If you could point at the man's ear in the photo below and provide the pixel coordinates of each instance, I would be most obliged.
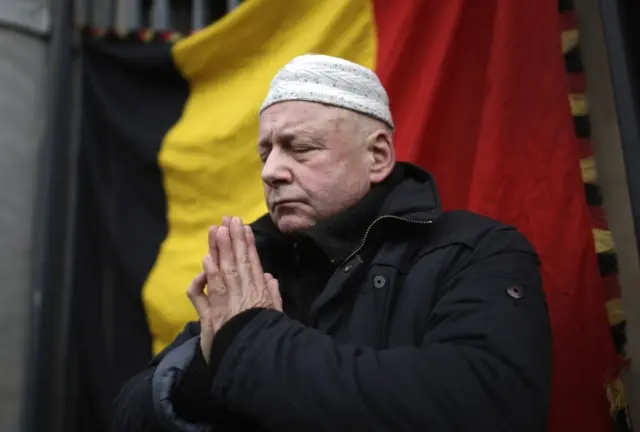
(383, 156)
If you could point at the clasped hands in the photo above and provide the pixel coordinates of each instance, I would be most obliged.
(234, 278)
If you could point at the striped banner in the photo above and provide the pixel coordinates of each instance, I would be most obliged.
(603, 240)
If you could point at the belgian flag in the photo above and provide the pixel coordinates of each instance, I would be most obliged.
(479, 96)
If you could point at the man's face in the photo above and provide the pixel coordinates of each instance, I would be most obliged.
(315, 162)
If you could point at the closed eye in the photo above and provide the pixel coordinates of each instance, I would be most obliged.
(264, 156)
(302, 149)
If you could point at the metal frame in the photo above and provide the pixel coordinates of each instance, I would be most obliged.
(125, 16)
(617, 151)
(626, 103)
(26, 17)
(44, 396)
(627, 109)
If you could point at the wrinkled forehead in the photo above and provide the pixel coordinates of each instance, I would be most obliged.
(299, 117)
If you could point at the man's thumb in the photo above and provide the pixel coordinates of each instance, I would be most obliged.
(274, 291)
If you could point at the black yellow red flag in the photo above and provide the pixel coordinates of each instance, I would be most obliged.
(478, 92)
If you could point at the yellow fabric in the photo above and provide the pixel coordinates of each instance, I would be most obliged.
(589, 170)
(570, 39)
(603, 240)
(615, 313)
(208, 159)
(617, 397)
(579, 104)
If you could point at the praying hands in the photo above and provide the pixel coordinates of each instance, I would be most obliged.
(234, 279)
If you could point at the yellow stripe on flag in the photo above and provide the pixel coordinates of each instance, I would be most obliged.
(208, 159)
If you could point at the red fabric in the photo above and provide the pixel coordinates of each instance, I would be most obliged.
(567, 20)
(598, 218)
(586, 147)
(479, 95)
(611, 287)
(577, 82)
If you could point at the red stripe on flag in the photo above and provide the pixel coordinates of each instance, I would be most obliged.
(479, 95)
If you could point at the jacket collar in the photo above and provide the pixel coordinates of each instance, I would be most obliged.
(414, 197)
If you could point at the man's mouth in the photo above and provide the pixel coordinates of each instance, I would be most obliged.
(281, 202)
(285, 202)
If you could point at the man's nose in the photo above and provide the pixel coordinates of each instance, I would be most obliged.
(276, 171)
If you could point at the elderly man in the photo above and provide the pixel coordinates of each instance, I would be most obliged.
(356, 303)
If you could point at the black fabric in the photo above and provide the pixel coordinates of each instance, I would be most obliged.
(195, 385)
(438, 323)
(463, 352)
(582, 126)
(132, 95)
(619, 336)
(565, 5)
(593, 194)
(225, 336)
(607, 263)
(134, 410)
(573, 60)
(302, 279)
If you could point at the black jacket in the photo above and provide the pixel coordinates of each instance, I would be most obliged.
(433, 322)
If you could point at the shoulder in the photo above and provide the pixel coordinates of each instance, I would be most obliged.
(459, 240)
(475, 255)
(476, 232)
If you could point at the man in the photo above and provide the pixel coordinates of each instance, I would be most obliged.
(356, 303)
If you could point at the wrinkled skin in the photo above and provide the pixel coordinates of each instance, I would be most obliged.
(319, 160)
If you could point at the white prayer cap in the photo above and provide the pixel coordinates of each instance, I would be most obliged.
(331, 81)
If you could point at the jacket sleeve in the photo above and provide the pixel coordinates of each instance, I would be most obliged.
(133, 407)
(484, 362)
(173, 393)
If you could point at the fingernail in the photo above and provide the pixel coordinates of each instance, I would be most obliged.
(236, 220)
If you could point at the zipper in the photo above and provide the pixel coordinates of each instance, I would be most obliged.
(366, 234)
(296, 254)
